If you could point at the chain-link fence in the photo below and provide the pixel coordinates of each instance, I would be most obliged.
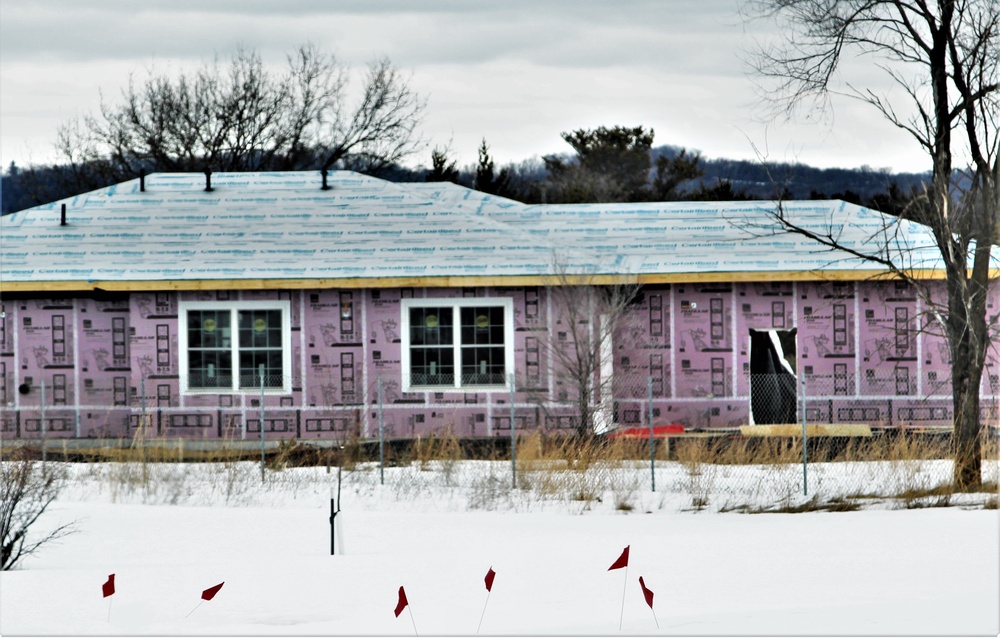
(776, 440)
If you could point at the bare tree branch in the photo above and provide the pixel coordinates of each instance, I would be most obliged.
(27, 489)
(945, 56)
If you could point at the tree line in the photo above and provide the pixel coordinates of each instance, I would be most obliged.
(674, 173)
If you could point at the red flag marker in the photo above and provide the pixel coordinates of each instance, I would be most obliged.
(401, 605)
(108, 588)
(404, 604)
(210, 593)
(622, 560)
(490, 575)
(647, 593)
(618, 564)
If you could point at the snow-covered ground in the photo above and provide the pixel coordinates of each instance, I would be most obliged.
(882, 570)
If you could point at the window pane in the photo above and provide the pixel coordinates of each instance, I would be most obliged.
(210, 364)
(432, 366)
(431, 326)
(251, 362)
(260, 345)
(208, 329)
(210, 369)
(482, 326)
(483, 366)
(260, 329)
(227, 345)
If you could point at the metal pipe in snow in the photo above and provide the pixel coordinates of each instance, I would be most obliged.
(652, 441)
(262, 423)
(805, 443)
(381, 437)
(513, 437)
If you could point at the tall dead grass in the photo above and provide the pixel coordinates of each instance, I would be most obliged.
(908, 469)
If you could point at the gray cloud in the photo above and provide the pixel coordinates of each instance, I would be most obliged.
(557, 33)
(517, 72)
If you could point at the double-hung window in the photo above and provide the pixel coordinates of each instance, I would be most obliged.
(235, 346)
(457, 344)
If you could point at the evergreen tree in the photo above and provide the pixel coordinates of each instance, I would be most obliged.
(611, 165)
(442, 169)
(487, 180)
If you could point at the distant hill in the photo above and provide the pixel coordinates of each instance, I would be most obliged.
(801, 181)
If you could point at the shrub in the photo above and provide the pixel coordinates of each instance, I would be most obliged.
(27, 488)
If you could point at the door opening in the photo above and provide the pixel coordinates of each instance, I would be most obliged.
(773, 387)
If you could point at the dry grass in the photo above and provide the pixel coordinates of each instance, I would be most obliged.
(741, 474)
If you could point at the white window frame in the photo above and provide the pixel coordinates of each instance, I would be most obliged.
(235, 307)
(456, 305)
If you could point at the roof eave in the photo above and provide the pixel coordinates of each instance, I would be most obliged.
(466, 281)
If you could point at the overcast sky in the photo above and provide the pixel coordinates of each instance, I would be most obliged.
(516, 72)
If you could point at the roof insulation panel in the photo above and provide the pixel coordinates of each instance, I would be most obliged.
(283, 226)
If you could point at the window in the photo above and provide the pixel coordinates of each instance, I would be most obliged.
(225, 346)
(460, 344)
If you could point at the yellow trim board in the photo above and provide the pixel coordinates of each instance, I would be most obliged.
(795, 429)
(460, 282)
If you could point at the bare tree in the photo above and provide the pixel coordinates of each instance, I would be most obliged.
(242, 116)
(586, 316)
(943, 56)
(27, 488)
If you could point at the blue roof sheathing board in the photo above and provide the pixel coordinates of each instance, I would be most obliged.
(283, 226)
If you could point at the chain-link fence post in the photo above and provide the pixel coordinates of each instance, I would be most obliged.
(261, 369)
(42, 426)
(142, 435)
(805, 443)
(652, 441)
(381, 436)
(142, 420)
(513, 438)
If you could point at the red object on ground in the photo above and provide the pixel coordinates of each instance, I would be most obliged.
(490, 575)
(401, 605)
(109, 587)
(659, 432)
(647, 593)
(210, 593)
(622, 560)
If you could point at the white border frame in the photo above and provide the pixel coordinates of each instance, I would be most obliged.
(284, 305)
(456, 303)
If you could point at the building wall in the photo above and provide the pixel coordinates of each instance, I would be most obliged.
(866, 351)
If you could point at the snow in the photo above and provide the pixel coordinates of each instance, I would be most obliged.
(876, 571)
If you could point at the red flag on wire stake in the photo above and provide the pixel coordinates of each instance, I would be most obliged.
(402, 604)
(207, 594)
(108, 588)
(647, 593)
(622, 560)
(618, 564)
(490, 575)
(210, 593)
